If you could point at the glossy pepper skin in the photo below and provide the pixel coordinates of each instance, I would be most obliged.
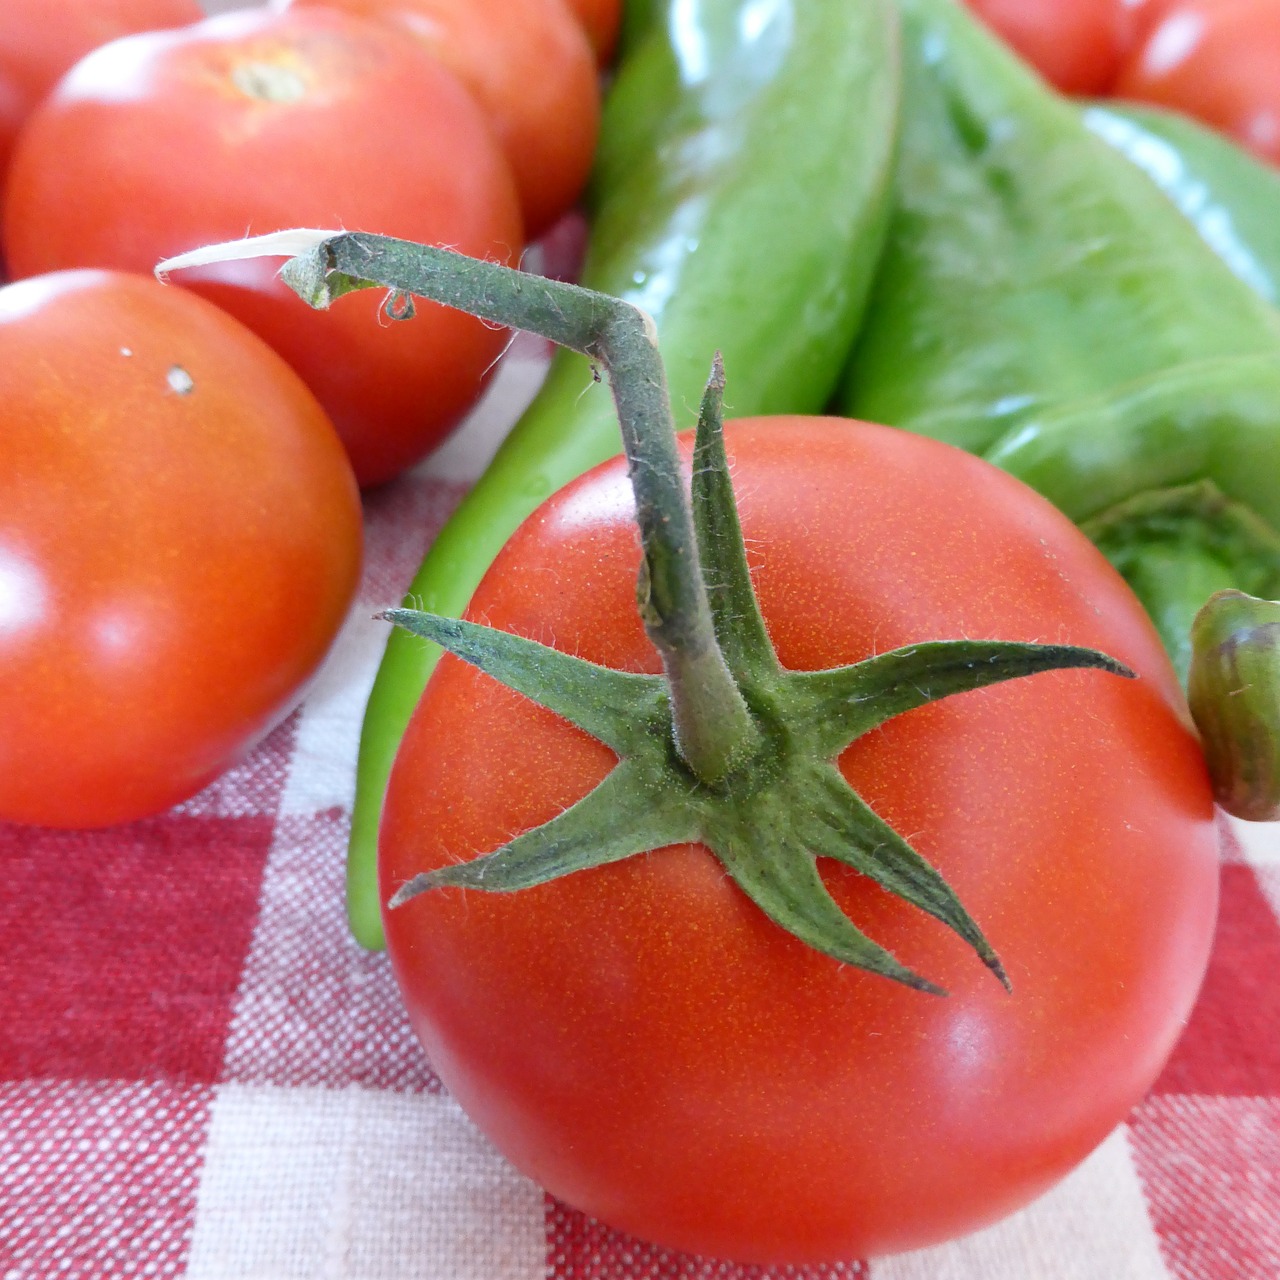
(1043, 304)
(740, 196)
(1231, 198)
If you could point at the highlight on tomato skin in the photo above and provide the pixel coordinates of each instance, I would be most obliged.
(645, 1044)
(180, 541)
(1217, 61)
(295, 105)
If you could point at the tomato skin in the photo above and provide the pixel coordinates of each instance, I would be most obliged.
(1218, 61)
(37, 47)
(529, 65)
(1077, 46)
(645, 1044)
(180, 541)
(1147, 14)
(171, 137)
(602, 20)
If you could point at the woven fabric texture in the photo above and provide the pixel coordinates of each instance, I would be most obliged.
(202, 1076)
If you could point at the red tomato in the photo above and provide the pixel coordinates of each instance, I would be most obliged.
(39, 40)
(530, 66)
(253, 122)
(1218, 62)
(1148, 13)
(179, 543)
(1075, 44)
(641, 1040)
(602, 20)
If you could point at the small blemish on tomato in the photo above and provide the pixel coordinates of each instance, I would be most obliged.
(180, 380)
(126, 351)
(269, 82)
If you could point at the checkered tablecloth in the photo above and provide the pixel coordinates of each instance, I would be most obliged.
(201, 1075)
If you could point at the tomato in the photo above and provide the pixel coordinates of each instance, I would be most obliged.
(1075, 44)
(646, 1044)
(1147, 14)
(255, 121)
(179, 543)
(1218, 62)
(530, 66)
(39, 41)
(602, 20)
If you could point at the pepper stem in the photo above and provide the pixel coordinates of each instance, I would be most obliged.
(714, 730)
(1233, 687)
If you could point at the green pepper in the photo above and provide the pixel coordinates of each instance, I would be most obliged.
(1231, 198)
(740, 197)
(639, 17)
(1042, 303)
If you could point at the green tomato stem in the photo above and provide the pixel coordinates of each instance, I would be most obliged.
(713, 727)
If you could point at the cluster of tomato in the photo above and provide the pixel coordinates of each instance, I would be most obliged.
(1215, 60)
(180, 535)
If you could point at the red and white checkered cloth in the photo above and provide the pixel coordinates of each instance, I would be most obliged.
(201, 1075)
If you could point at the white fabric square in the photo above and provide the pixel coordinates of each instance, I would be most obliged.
(322, 766)
(1259, 842)
(1093, 1224)
(357, 1184)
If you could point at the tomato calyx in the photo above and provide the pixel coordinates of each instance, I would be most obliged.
(726, 748)
(770, 819)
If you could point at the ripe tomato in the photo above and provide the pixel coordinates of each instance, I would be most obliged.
(256, 121)
(1148, 13)
(1216, 61)
(529, 65)
(38, 42)
(1075, 44)
(602, 20)
(641, 1040)
(179, 543)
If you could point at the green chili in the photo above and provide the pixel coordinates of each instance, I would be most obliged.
(1231, 198)
(740, 197)
(1042, 303)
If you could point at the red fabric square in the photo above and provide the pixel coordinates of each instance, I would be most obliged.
(580, 1248)
(1211, 1170)
(1231, 1045)
(121, 950)
(98, 1180)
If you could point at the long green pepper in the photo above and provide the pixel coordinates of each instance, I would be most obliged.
(1043, 304)
(740, 197)
(1231, 198)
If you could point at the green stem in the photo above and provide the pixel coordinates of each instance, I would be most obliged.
(713, 728)
(1234, 690)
